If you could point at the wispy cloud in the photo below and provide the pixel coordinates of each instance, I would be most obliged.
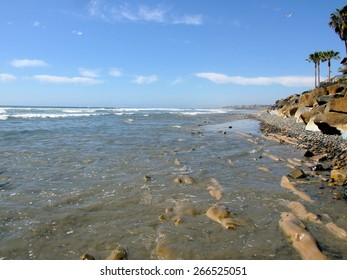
(177, 81)
(66, 80)
(89, 73)
(189, 20)
(115, 72)
(22, 63)
(7, 78)
(155, 15)
(77, 33)
(36, 24)
(124, 12)
(140, 80)
(288, 81)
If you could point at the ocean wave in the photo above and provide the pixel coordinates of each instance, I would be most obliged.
(50, 116)
(65, 112)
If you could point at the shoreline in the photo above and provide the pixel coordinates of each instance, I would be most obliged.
(317, 143)
(325, 156)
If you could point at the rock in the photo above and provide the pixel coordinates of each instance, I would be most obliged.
(300, 211)
(264, 169)
(119, 253)
(332, 123)
(300, 111)
(337, 231)
(337, 88)
(285, 183)
(147, 178)
(176, 220)
(307, 116)
(318, 167)
(308, 154)
(297, 174)
(326, 99)
(339, 176)
(311, 126)
(215, 189)
(337, 105)
(162, 217)
(302, 241)
(221, 214)
(308, 99)
(320, 158)
(86, 256)
(184, 180)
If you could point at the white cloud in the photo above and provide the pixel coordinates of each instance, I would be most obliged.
(78, 33)
(66, 80)
(155, 15)
(115, 72)
(189, 20)
(89, 73)
(114, 13)
(177, 81)
(140, 80)
(289, 81)
(36, 24)
(6, 78)
(21, 63)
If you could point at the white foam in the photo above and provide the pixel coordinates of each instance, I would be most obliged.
(61, 112)
(52, 116)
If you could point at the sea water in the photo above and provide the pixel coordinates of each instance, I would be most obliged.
(86, 180)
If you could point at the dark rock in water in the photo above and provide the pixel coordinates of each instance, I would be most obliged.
(308, 154)
(120, 253)
(345, 193)
(318, 167)
(147, 178)
(86, 256)
(337, 195)
(297, 174)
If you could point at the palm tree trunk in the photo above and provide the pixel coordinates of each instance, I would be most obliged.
(315, 75)
(318, 73)
(329, 70)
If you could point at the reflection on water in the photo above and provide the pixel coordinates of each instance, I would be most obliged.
(74, 185)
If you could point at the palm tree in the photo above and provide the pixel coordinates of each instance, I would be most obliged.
(338, 21)
(327, 56)
(315, 58)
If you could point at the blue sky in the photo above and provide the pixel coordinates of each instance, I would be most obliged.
(152, 53)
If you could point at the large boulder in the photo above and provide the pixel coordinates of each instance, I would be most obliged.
(337, 105)
(307, 116)
(309, 99)
(337, 88)
(300, 111)
(332, 123)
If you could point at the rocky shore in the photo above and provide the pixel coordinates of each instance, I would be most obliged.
(324, 163)
(315, 120)
(334, 147)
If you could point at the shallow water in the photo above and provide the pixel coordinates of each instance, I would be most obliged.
(72, 181)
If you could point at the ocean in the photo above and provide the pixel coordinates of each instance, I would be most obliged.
(86, 180)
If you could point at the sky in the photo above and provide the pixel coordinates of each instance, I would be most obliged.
(160, 53)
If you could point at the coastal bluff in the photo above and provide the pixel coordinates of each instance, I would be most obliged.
(316, 121)
(322, 109)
